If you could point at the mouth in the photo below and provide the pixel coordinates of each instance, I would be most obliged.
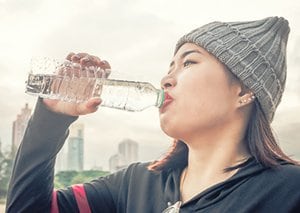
(167, 101)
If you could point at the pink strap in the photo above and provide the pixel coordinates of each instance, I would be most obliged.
(54, 206)
(81, 198)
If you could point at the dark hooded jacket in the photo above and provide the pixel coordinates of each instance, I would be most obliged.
(253, 188)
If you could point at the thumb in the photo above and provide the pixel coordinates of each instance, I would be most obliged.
(92, 105)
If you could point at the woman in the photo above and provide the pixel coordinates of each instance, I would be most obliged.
(222, 89)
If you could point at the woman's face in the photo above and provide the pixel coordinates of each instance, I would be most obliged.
(200, 96)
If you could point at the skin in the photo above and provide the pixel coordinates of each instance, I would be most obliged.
(72, 109)
(205, 112)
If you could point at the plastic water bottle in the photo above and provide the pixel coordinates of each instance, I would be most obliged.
(71, 83)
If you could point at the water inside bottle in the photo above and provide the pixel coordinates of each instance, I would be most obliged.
(64, 80)
(72, 83)
(129, 95)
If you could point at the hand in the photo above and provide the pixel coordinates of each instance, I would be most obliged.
(75, 109)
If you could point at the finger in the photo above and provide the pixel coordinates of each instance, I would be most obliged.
(106, 69)
(105, 65)
(69, 56)
(91, 60)
(50, 102)
(76, 70)
(82, 55)
(61, 69)
(75, 58)
(93, 103)
(87, 61)
(96, 60)
(89, 107)
(107, 73)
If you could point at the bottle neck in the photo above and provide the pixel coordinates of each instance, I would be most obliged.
(160, 98)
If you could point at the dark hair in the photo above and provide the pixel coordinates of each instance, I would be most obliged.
(259, 137)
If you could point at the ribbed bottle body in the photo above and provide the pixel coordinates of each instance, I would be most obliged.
(119, 94)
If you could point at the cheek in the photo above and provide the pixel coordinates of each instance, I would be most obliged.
(190, 117)
(205, 104)
(209, 94)
(182, 117)
(201, 103)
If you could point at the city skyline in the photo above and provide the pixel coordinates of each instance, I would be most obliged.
(71, 156)
(19, 127)
(127, 154)
(76, 147)
(138, 39)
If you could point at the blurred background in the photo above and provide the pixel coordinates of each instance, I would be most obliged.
(137, 37)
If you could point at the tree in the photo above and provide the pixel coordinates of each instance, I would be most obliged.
(5, 172)
(68, 178)
(63, 178)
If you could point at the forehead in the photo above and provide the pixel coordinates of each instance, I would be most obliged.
(189, 47)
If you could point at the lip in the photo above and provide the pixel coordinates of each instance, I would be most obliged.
(167, 101)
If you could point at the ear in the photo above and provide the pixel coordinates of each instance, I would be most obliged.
(246, 99)
(244, 96)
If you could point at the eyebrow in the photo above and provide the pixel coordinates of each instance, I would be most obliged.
(183, 55)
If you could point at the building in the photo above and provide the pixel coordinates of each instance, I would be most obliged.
(127, 154)
(75, 150)
(71, 155)
(62, 159)
(114, 163)
(128, 150)
(18, 129)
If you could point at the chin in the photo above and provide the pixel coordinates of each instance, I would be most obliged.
(171, 131)
(166, 130)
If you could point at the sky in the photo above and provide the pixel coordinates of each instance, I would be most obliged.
(137, 37)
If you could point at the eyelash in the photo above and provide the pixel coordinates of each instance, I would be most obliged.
(187, 63)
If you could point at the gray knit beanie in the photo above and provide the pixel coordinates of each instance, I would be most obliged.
(254, 51)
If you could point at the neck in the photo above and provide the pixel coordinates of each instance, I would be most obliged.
(217, 148)
(209, 154)
(214, 159)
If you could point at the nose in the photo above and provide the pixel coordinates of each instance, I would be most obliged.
(167, 82)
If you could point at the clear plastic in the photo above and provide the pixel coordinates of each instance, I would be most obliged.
(69, 82)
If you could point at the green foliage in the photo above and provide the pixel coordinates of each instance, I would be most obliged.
(5, 172)
(64, 178)
(67, 178)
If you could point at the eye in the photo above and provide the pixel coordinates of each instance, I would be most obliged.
(188, 63)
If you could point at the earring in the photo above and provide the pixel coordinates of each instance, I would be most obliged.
(243, 101)
(252, 96)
